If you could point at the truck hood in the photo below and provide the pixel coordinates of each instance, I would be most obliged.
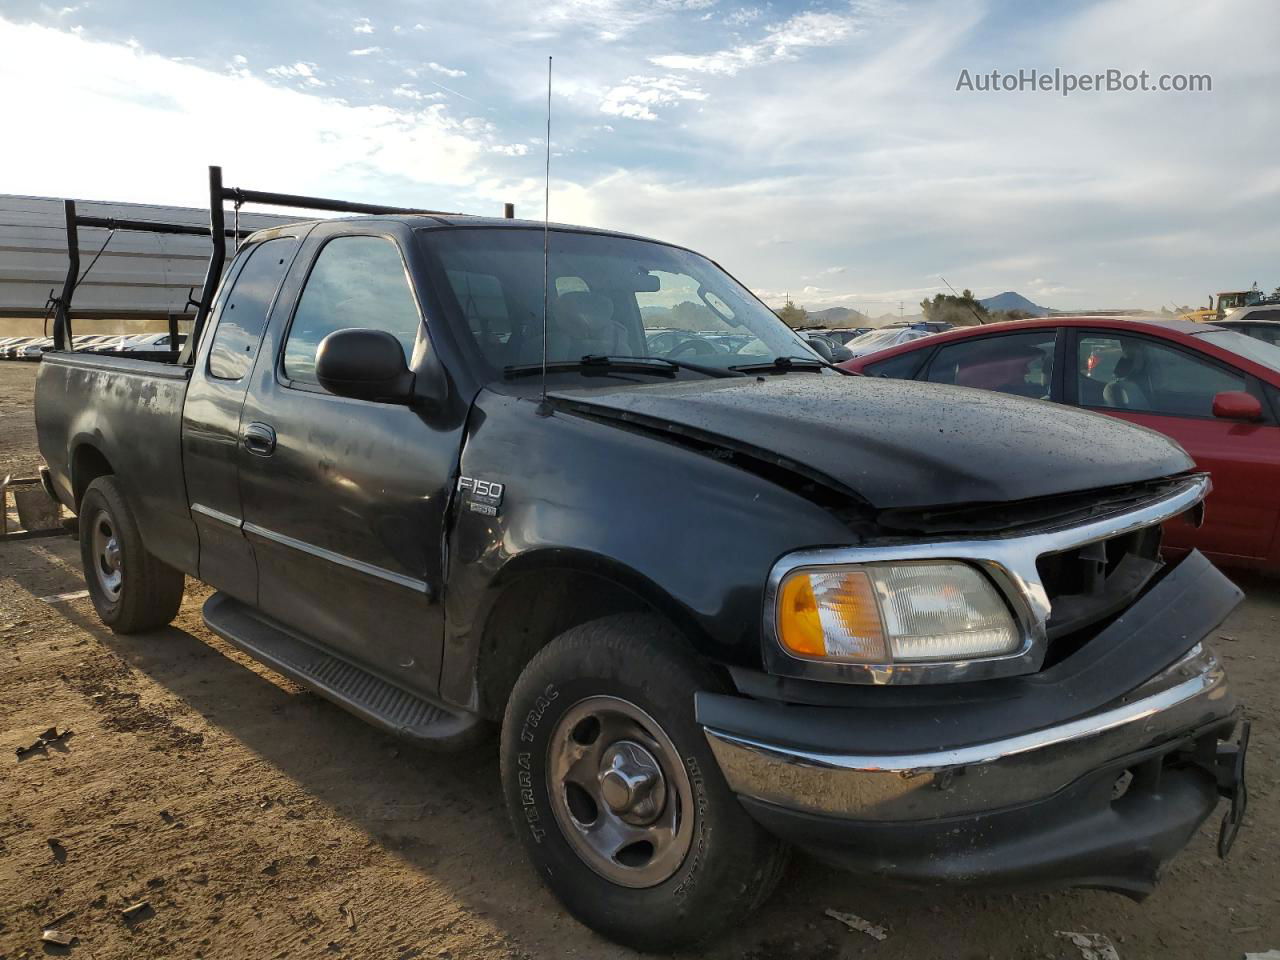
(895, 443)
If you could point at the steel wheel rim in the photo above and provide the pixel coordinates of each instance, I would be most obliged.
(620, 792)
(108, 564)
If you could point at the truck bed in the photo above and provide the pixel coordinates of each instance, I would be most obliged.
(93, 410)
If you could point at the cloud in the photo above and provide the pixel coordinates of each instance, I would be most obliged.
(510, 149)
(362, 25)
(410, 93)
(302, 72)
(365, 51)
(636, 97)
(422, 156)
(780, 42)
(743, 16)
(445, 71)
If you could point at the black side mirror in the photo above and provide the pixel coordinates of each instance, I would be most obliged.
(364, 365)
(821, 347)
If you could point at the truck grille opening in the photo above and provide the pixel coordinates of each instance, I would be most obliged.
(1088, 584)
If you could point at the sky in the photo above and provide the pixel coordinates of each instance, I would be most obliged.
(819, 150)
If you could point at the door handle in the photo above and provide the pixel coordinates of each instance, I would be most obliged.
(259, 439)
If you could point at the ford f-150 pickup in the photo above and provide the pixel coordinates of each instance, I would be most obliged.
(716, 598)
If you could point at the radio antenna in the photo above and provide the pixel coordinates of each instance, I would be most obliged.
(981, 322)
(546, 237)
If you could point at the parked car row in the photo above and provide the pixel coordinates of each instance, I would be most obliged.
(1212, 387)
(33, 348)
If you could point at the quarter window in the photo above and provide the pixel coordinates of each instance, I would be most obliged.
(244, 314)
(1018, 363)
(357, 282)
(902, 367)
(1133, 373)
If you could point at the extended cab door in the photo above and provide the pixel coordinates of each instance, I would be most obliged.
(211, 413)
(345, 500)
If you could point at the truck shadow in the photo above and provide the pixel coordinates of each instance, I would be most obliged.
(443, 816)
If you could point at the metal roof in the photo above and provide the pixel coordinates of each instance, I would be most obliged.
(138, 275)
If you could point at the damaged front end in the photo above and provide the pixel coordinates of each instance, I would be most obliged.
(1084, 748)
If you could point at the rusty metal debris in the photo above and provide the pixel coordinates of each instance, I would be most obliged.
(855, 922)
(44, 741)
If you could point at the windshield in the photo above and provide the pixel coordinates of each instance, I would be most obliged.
(607, 296)
(1250, 348)
(875, 336)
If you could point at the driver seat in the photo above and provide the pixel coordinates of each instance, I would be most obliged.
(580, 323)
(1125, 392)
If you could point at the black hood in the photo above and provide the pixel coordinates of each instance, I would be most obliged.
(899, 443)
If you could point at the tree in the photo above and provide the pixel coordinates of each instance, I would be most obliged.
(793, 316)
(962, 311)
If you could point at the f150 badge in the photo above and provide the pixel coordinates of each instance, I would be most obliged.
(481, 496)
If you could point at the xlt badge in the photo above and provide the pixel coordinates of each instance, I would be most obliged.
(481, 496)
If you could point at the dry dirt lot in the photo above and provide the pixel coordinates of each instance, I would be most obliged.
(256, 820)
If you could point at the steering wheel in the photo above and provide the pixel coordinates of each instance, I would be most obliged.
(694, 345)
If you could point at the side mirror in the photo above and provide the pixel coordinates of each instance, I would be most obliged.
(1236, 405)
(821, 347)
(364, 365)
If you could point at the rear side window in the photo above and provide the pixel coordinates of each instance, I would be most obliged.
(357, 282)
(1019, 363)
(1133, 373)
(902, 367)
(244, 315)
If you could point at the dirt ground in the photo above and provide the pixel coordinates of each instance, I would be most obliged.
(256, 820)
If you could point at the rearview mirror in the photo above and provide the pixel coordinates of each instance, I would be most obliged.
(364, 365)
(1236, 405)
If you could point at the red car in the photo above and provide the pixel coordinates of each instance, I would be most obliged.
(1215, 391)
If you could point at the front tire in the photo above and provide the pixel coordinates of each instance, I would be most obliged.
(616, 796)
(131, 589)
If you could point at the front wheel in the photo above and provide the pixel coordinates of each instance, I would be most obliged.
(131, 589)
(616, 795)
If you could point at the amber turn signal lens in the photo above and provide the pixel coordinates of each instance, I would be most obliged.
(831, 614)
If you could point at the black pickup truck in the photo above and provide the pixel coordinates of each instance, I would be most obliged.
(718, 600)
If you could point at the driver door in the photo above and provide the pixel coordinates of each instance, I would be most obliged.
(346, 509)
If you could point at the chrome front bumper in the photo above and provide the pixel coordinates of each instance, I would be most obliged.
(1189, 695)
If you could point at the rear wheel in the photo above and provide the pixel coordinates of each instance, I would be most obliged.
(616, 795)
(131, 589)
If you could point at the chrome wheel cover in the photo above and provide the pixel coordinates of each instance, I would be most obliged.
(620, 792)
(108, 564)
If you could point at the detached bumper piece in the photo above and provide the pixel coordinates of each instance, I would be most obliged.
(1104, 799)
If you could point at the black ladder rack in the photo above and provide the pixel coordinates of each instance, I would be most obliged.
(217, 229)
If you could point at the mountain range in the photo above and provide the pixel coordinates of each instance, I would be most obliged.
(1009, 300)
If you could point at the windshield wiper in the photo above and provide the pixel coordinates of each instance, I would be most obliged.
(783, 364)
(619, 364)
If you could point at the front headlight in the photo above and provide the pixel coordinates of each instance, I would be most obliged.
(915, 611)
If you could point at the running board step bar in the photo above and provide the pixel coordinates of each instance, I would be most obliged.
(383, 704)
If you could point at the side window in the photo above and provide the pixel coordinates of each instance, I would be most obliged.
(1017, 363)
(355, 282)
(902, 367)
(244, 314)
(1133, 373)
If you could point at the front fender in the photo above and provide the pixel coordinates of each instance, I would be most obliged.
(691, 536)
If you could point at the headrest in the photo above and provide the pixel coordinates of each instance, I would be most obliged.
(584, 307)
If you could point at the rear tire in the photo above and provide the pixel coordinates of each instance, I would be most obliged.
(131, 589)
(616, 795)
